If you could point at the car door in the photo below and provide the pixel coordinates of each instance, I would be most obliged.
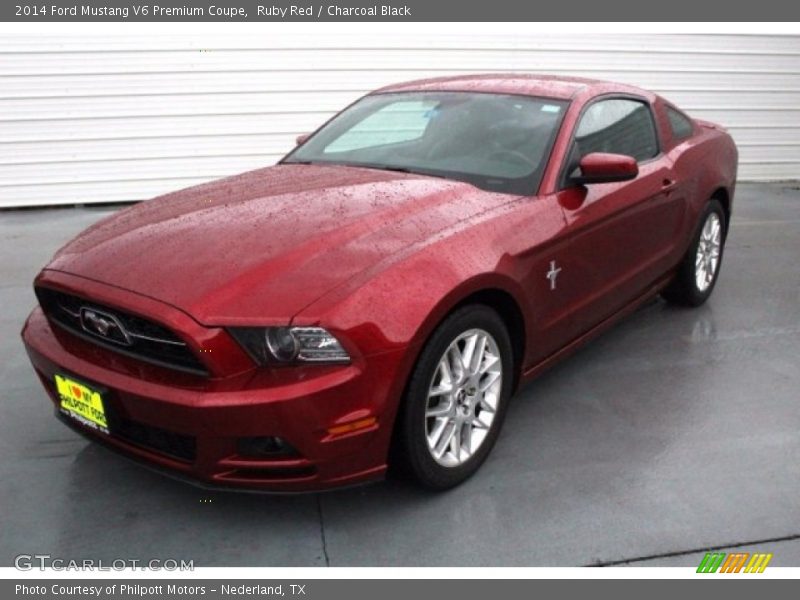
(620, 234)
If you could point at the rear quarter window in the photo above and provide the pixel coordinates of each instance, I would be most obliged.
(679, 124)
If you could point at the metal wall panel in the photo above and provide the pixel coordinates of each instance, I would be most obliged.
(96, 119)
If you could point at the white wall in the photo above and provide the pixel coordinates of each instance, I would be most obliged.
(125, 118)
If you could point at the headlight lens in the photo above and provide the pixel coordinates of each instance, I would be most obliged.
(287, 345)
(281, 343)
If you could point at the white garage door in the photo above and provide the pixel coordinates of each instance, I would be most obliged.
(126, 118)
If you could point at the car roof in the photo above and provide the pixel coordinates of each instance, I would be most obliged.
(548, 86)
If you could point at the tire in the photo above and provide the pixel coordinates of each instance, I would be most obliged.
(693, 284)
(472, 418)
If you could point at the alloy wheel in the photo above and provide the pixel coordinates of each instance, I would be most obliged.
(708, 250)
(463, 397)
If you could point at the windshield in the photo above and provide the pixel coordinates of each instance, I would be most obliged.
(496, 142)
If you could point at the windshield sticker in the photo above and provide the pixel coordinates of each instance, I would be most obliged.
(550, 108)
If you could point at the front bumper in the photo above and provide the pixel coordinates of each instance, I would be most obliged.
(190, 425)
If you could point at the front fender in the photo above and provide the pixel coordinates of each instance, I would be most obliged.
(397, 310)
(401, 306)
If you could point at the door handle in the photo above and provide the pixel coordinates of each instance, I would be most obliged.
(667, 185)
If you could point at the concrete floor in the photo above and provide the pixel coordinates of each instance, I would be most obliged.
(675, 432)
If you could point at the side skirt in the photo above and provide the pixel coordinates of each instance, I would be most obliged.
(535, 370)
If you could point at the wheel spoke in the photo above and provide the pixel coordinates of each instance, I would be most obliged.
(478, 424)
(715, 229)
(440, 410)
(474, 350)
(486, 407)
(480, 354)
(489, 362)
(455, 441)
(470, 345)
(488, 381)
(440, 390)
(435, 434)
(456, 362)
(466, 437)
(445, 439)
(444, 369)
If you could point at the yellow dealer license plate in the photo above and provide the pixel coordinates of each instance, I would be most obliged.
(82, 403)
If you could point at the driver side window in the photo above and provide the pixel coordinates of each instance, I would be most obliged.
(616, 126)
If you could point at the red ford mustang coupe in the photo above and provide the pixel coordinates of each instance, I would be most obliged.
(376, 298)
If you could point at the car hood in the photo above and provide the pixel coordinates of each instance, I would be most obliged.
(258, 247)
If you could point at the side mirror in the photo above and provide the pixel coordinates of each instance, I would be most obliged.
(600, 167)
(301, 139)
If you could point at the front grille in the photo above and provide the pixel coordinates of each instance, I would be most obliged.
(168, 443)
(183, 447)
(124, 332)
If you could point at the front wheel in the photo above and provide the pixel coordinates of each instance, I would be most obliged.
(456, 398)
(699, 269)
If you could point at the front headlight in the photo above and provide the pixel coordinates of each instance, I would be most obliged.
(287, 345)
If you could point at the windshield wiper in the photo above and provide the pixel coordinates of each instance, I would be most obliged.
(396, 169)
(380, 167)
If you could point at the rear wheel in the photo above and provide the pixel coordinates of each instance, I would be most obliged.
(456, 398)
(699, 269)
